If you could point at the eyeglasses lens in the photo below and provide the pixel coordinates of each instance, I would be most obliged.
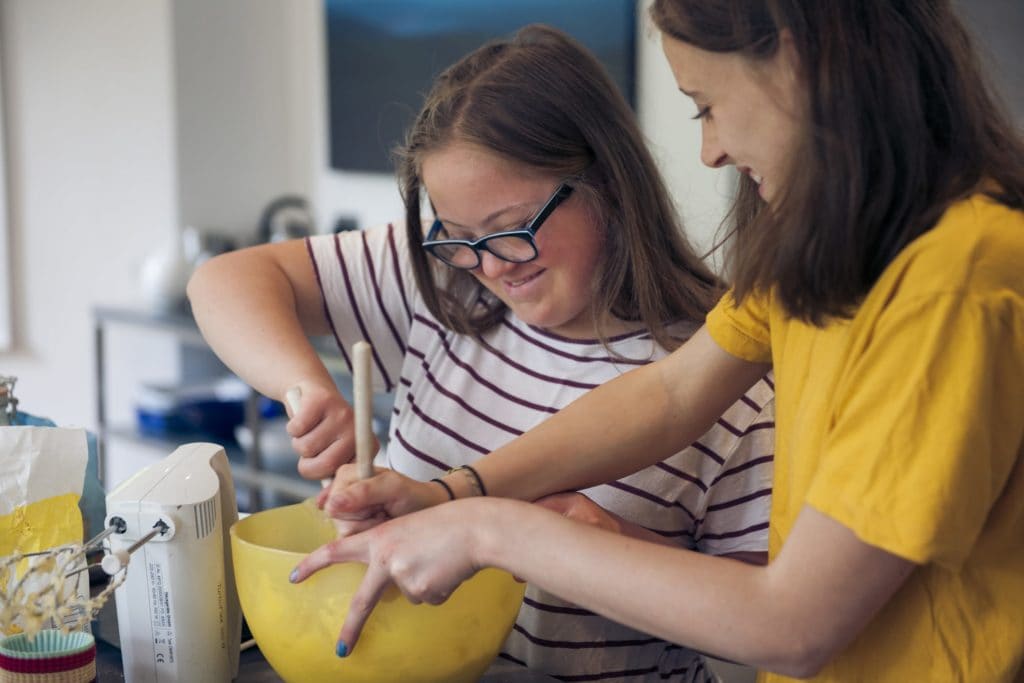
(512, 248)
(456, 255)
(508, 248)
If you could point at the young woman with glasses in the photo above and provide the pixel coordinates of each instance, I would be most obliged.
(540, 257)
(879, 268)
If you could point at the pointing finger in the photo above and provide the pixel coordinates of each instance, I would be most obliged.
(348, 549)
(363, 601)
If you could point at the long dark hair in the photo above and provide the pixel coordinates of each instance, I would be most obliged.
(543, 101)
(902, 123)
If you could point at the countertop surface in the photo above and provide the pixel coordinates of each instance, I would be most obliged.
(253, 668)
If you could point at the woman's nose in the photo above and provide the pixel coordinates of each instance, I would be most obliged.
(492, 266)
(711, 153)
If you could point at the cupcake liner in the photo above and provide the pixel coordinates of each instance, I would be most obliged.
(50, 657)
(47, 643)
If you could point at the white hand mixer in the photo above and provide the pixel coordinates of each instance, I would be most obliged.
(177, 609)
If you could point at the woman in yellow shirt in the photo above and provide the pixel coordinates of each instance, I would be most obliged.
(879, 270)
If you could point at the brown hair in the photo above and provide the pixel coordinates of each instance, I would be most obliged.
(900, 116)
(543, 101)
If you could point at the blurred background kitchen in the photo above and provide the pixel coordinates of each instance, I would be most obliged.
(140, 136)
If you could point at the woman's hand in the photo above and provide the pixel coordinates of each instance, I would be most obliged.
(322, 430)
(427, 555)
(579, 508)
(359, 504)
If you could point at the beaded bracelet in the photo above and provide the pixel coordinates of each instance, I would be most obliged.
(447, 488)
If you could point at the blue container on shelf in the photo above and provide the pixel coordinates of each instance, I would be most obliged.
(213, 409)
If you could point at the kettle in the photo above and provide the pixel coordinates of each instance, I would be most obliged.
(287, 217)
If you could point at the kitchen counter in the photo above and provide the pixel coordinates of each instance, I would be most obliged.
(253, 668)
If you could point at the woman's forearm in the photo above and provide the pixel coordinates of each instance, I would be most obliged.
(791, 616)
(626, 580)
(624, 425)
(256, 308)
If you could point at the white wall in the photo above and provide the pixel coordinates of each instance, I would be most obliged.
(6, 327)
(241, 110)
(90, 164)
(701, 193)
(127, 120)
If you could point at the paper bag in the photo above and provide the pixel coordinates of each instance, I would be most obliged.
(42, 471)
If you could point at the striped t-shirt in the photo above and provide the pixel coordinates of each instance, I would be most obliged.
(458, 398)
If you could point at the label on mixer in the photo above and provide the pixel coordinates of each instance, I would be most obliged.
(160, 611)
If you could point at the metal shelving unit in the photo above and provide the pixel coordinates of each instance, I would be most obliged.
(248, 469)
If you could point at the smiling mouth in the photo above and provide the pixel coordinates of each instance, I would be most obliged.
(750, 173)
(520, 283)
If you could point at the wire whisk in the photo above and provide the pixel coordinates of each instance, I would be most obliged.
(47, 592)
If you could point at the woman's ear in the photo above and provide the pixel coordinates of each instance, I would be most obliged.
(787, 75)
(788, 60)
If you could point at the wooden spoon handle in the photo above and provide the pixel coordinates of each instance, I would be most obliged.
(363, 405)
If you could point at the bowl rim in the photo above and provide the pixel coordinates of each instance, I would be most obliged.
(236, 535)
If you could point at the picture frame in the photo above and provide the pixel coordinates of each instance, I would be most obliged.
(385, 56)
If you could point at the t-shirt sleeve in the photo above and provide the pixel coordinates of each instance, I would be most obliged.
(369, 293)
(742, 330)
(926, 426)
(738, 500)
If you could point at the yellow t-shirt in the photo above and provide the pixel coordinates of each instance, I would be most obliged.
(906, 425)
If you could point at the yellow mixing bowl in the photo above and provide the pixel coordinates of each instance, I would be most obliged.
(296, 626)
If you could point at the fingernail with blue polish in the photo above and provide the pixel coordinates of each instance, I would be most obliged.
(294, 576)
(342, 649)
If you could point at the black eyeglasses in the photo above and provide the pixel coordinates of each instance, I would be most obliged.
(514, 246)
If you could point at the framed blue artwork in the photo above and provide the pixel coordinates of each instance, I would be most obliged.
(382, 56)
